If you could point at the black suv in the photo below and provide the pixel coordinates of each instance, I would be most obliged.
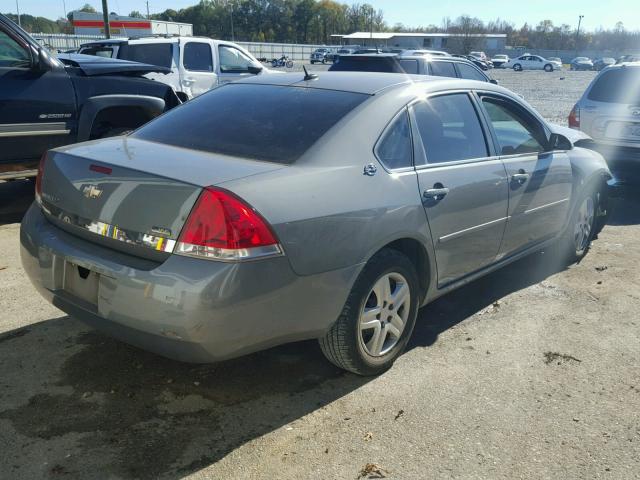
(47, 102)
(415, 64)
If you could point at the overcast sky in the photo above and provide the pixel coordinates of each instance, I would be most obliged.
(596, 13)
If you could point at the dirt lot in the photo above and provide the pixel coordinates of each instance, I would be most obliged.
(531, 372)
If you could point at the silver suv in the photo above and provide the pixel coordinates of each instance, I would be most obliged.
(609, 111)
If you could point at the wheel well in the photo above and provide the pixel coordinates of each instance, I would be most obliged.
(417, 254)
(118, 117)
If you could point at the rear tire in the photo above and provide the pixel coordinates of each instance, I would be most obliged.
(582, 227)
(371, 331)
(517, 67)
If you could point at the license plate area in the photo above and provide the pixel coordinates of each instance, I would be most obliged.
(81, 283)
(624, 130)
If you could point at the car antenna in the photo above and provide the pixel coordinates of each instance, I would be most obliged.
(309, 76)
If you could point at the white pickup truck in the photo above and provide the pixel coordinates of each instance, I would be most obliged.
(197, 64)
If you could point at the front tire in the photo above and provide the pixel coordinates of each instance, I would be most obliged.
(378, 317)
(548, 67)
(582, 227)
(517, 67)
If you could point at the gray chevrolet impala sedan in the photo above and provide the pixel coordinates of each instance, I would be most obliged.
(284, 208)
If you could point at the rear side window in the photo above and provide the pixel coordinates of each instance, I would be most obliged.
(197, 57)
(517, 133)
(449, 128)
(263, 122)
(160, 54)
(618, 85)
(409, 66)
(366, 64)
(470, 73)
(443, 69)
(394, 149)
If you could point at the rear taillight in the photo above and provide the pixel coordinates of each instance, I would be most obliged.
(222, 226)
(43, 159)
(574, 117)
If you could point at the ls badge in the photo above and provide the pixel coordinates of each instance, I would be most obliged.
(91, 191)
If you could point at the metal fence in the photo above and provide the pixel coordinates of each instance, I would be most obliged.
(62, 41)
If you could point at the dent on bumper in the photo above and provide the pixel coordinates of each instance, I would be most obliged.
(185, 308)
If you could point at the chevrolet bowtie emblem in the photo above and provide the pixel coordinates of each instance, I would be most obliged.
(91, 191)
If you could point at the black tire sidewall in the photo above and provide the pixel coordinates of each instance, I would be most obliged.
(382, 264)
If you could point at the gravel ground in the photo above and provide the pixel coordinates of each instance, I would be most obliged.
(530, 372)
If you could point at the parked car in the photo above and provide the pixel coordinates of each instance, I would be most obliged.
(628, 58)
(531, 62)
(46, 102)
(196, 64)
(321, 55)
(609, 111)
(475, 60)
(581, 63)
(481, 55)
(433, 53)
(603, 62)
(499, 60)
(424, 185)
(412, 64)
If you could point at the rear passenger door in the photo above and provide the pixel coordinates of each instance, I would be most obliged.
(540, 179)
(463, 185)
(197, 67)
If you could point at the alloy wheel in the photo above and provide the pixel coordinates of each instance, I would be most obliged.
(384, 315)
(584, 224)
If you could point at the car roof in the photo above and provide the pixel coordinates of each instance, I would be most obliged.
(369, 83)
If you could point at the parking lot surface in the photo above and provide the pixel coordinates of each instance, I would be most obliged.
(530, 372)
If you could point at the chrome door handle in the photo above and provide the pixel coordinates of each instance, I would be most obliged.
(436, 193)
(520, 177)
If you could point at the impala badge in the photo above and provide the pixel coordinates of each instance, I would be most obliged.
(635, 111)
(91, 191)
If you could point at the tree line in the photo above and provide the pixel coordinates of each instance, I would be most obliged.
(314, 21)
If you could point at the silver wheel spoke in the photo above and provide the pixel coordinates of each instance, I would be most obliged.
(377, 341)
(370, 315)
(393, 330)
(400, 296)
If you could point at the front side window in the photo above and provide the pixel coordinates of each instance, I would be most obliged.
(515, 130)
(394, 149)
(449, 128)
(470, 73)
(443, 69)
(12, 54)
(197, 57)
(233, 60)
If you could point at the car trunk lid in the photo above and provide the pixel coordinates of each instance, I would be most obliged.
(135, 197)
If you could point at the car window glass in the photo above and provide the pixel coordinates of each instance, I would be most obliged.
(12, 54)
(470, 73)
(233, 60)
(409, 66)
(443, 69)
(516, 132)
(618, 85)
(197, 57)
(394, 149)
(449, 128)
(264, 122)
(160, 54)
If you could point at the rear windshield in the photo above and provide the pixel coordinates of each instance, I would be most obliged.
(263, 122)
(619, 85)
(367, 64)
(160, 54)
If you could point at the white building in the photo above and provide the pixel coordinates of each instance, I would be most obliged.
(93, 24)
(435, 41)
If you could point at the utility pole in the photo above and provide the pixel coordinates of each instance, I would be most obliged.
(105, 17)
(233, 38)
(64, 7)
(148, 16)
(580, 17)
(18, 9)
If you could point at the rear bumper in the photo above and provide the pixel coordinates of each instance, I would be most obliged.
(624, 163)
(186, 309)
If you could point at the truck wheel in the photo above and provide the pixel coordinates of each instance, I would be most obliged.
(378, 317)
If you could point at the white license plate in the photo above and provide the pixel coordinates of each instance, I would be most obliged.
(81, 283)
(626, 130)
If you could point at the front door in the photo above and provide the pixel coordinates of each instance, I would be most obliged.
(37, 106)
(540, 179)
(234, 63)
(464, 187)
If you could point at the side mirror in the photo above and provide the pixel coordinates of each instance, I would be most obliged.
(494, 81)
(42, 62)
(254, 70)
(560, 142)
